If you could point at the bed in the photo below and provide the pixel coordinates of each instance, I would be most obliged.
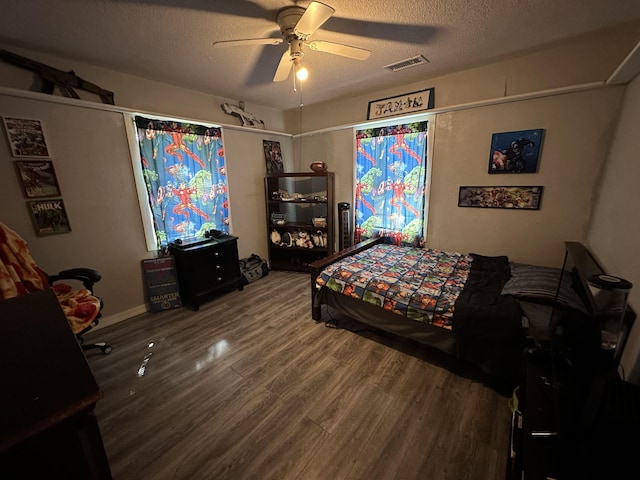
(476, 307)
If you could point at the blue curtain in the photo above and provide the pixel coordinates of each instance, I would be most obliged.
(391, 172)
(184, 170)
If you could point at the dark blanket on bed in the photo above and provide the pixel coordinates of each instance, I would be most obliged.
(489, 325)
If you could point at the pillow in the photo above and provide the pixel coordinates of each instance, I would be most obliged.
(539, 285)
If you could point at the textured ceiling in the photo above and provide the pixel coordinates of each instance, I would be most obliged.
(171, 41)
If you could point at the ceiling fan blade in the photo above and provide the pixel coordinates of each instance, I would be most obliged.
(248, 41)
(284, 67)
(313, 17)
(339, 49)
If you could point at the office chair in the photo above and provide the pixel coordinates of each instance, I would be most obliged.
(19, 275)
(88, 277)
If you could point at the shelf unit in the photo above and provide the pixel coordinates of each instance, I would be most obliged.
(293, 201)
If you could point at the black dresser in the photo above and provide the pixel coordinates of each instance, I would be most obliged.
(207, 268)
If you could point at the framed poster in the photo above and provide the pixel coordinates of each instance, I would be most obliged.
(49, 217)
(26, 137)
(38, 178)
(515, 152)
(273, 156)
(525, 198)
(402, 104)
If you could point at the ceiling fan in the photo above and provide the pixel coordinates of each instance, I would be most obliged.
(297, 24)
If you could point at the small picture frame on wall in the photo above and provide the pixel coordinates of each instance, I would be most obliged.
(37, 178)
(273, 156)
(515, 152)
(521, 198)
(26, 137)
(49, 217)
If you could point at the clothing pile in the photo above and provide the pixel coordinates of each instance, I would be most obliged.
(19, 275)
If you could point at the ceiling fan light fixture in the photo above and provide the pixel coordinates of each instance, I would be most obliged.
(302, 73)
(297, 24)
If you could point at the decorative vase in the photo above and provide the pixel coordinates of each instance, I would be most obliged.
(318, 167)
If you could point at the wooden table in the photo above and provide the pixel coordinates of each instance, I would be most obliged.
(47, 425)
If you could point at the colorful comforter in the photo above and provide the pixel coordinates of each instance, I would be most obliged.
(419, 283)
(19, 275)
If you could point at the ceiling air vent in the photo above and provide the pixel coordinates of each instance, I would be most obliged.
(409, 62)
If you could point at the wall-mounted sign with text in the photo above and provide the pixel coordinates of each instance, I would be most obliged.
(404, 104)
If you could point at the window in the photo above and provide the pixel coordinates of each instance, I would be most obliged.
(391, 183)
(184, 172)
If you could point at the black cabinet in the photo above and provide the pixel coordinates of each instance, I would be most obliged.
(207, 268)
(300, 218)
(576, 418)
(572, 424)
(545, 421)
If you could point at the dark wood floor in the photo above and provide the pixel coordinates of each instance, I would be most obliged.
(250, 387)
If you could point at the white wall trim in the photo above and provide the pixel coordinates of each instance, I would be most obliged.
(628, 69)
(464, 106)
(481, 103)
(45, 97)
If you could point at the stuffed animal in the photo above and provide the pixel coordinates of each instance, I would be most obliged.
(276, 239)
(304, 240)
(318, 239)
(287, 240)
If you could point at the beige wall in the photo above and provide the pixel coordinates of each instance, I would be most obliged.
(245, 174)
(137, 93)
(91, 158)
(576, 61)
(614, 235)
(336, 149)
(578, 128)
(96, 177)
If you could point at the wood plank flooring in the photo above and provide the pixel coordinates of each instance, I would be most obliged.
(250, 387)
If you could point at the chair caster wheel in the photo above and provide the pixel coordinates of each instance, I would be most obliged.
(106, 349)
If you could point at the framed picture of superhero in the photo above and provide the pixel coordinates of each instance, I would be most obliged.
(38, 178)
(273, 156)
(515, 152)
(26, 137)
(49, 217)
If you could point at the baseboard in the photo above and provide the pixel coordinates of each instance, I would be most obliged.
(120, 316)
